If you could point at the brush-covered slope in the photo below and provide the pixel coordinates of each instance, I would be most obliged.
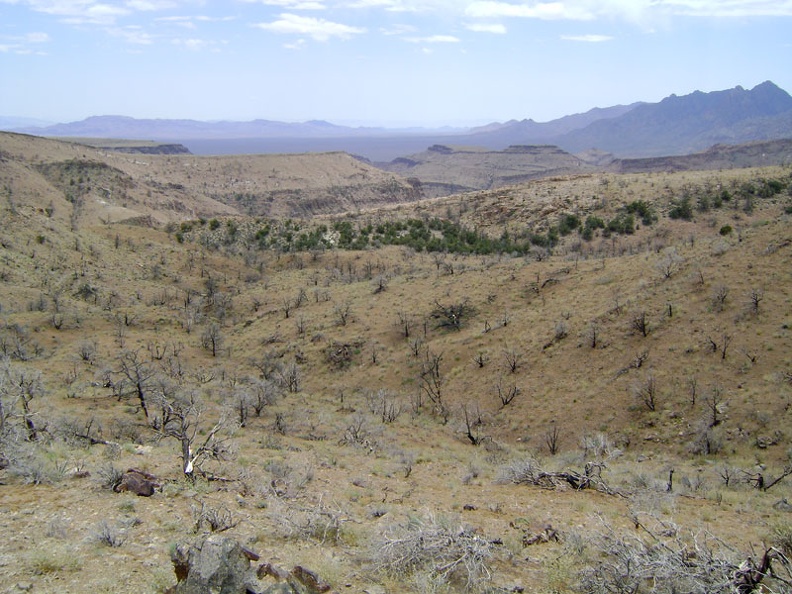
(344, 399)
(102, 185)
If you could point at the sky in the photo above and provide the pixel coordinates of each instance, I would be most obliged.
(379, 62)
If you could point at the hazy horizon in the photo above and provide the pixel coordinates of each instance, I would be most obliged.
(388, 63)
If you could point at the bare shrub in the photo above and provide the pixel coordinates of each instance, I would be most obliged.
(552, 439)
(525, 470)
(211, 518)
(669, 263)
(707, 441)
(672, 560)
(718, 301)
(436, 547)
(290, 377)
(598, 445)
(432, 383)
(317, 521)
(640, 323)
(343, 313)
(513, 359)
(385, 405)
(108, 535)
(452, 316)
(646, 392)
(506, 394)
(109, 476)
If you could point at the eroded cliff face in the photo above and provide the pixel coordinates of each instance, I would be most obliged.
(445, 170)
(164, 183)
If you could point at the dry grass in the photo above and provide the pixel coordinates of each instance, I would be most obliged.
(324, 471)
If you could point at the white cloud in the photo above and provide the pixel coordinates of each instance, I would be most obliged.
(629, 10)
(317, 29)
(180, 21)
(195, 44)
(150, 5)
(433, 39)
(91, 12)
(79, 11)
(587, 38)
(398, 30)
(728, 8)
(297, 45)
(533, 10)
(37, 37)
(292, 4)
(416, 6)
(485, 28)
(133, 35)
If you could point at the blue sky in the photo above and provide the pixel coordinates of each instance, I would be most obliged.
(379, 62)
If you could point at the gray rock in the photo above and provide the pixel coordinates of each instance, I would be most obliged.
(216, 565)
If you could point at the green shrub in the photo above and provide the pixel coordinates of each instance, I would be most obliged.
(681, 209)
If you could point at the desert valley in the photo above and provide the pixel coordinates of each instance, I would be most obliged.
(503, 368)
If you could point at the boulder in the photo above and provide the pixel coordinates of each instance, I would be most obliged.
(216, 564)
(137, 482)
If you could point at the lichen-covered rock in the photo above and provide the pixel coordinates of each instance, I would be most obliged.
(214, 565)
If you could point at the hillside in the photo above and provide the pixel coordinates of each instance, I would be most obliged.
(110, 186)
(752, 154)
(444, 170)
(690, 123)
(511, 373)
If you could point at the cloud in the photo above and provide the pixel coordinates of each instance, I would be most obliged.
(79, 11)
(23, 44)
(587, 38)
(150, 5)
(317, 29)
(37, 37)
(195, 44)
(433, 39)
(728, 8)
(297, 45)
(484, 28)
(444, 7)
(134, 35)
(91, 12)
(628, 10)
(533, 10)
(398, 30)
(296, 4)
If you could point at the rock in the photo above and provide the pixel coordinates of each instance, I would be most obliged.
(783, 505)
(297, 581)
(765, 441)
(310, 580)
(216, 565)
(137, 482)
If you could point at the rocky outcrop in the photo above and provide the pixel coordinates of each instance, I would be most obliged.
(218, 564)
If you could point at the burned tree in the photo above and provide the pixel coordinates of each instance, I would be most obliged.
(182, 416)
(137, 377)
(432, 381)
(452, 316)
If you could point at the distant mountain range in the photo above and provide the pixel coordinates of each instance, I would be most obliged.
(677, 125)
